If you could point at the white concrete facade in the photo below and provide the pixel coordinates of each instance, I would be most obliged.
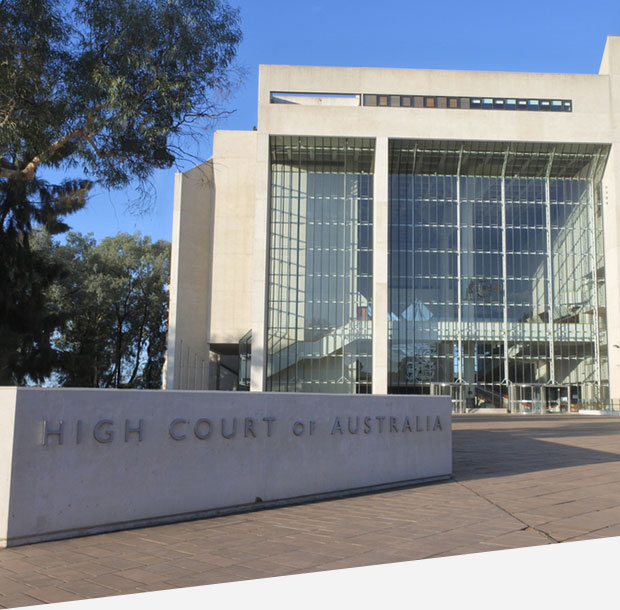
(220, 281)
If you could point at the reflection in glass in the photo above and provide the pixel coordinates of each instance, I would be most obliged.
(495, 273)
(320, 270)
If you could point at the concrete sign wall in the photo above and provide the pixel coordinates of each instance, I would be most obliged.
(75, 462)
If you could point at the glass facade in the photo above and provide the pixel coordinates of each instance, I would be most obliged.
(319, 327)
(496, 282)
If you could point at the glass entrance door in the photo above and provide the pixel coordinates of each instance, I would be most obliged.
(458, 394)
(526, 399)
(539, 399)
(557, 398)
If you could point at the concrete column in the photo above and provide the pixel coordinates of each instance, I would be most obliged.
(261, 257)
(610, 65)
(380, 270)
(190, 278)
(172, 361)
(611, 231)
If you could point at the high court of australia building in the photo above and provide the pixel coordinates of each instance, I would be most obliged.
(408, 231)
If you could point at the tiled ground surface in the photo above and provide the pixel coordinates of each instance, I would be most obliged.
(517, 482)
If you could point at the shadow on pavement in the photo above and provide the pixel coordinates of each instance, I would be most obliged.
(513, 446)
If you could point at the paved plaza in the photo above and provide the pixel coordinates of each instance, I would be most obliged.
(518, 481)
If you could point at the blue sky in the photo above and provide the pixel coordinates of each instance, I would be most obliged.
(523, 36)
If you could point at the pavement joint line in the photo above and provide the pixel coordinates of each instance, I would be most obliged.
(531, 528)
(589, 533)
(526, 526)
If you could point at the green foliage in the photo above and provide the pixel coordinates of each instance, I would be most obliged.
(104, 87)
(109, 85)
(112, 299)
(26, 322)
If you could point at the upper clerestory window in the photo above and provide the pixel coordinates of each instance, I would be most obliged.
(422, 101)
(465, 103)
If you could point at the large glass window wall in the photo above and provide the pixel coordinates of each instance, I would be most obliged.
(319, 332)
(496, 283)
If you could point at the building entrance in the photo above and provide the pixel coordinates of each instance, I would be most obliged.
(515, 398)
(538, 399)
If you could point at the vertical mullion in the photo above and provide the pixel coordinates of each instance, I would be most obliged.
(321, 252)
(411, 325)
(505, 272)
(298, 277)
(345, 294)
(459, 270)
(594, 271)
(550, 274)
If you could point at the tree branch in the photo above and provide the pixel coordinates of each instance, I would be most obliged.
(79, 132)
(98, 152)
(30, 169)
(8, 113)
(9, 173)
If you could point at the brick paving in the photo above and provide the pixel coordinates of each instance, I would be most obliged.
(518, 481)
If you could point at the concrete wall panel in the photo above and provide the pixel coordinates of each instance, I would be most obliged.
(86, 461)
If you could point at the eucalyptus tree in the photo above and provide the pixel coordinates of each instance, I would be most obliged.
(111, 303)
(104, 91)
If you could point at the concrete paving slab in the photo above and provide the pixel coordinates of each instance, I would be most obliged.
(518, 481)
